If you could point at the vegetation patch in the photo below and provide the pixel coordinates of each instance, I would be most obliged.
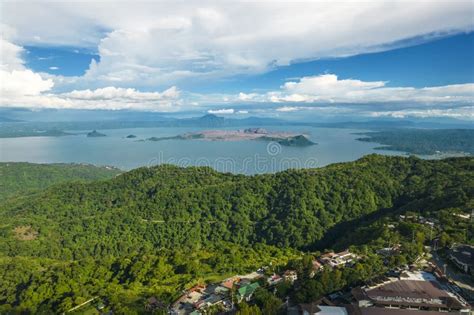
(25, 233)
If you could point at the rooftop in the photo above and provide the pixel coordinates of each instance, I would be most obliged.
(413, 293)
(248, 289)
(464, 254)
(393, 311)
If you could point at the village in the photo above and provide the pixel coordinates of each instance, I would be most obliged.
(224, 296)
(409, 290)
(430, 285)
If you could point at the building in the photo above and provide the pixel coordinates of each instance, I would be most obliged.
(463, 257)
(229, 283)
(317, 309)
(389, 251)
(274, 280)
(290, 276)
(186, 302)
(246, 292)
(317, 266)
(337, 259)
(314, 309)
(409, 294)
(389, 311)
(211, 300)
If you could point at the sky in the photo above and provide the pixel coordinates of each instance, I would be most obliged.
(310, 59)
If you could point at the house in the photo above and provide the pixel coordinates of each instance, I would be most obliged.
(212, 295)
(246, 292)
(211, 300)
(389, 251)
(325, 258)
(229, 283)
(290, 276)
(337, 259)
(189, 298)
(317, 266)
(463, 257)
(274, 280)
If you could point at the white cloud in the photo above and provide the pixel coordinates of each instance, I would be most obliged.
(150, 45)
(111, 98)
(21, 87)
(110, 93)
(287, 109)
(329, 89)
(10, 56)
(223, 111)
(328, 84)
(463, 113)
(22, 82)
(53, 68)
(247, 97)
(158, 43)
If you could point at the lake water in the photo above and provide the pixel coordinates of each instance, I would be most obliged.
(248, 157)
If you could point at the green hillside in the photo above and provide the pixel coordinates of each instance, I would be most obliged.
(424, 141)
(155, 231)
(23, 178)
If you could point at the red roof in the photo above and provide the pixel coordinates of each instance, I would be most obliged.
(229, 283)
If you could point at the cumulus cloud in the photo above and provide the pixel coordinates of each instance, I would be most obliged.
(10, 56)
(151, 45)
(330, 89)
(110, 93)
(154, 43)
(22, 82)
(29, 95)
(328, 84)
(16, 80)
(21, 87)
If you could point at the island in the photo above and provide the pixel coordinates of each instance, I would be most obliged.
(95, 134)
(283, 138)
(130, 136)
(439, 142)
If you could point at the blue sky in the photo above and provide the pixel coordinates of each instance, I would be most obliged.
(67, 61)
(449, 60)
(373, 59)
(444, 61)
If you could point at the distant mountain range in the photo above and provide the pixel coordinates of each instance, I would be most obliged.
(10, 128)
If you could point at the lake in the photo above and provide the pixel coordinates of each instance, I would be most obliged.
(247, 157)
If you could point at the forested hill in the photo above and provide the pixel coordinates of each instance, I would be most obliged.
(156, 231)
(424, 141)
(168, 206)
(22, 178)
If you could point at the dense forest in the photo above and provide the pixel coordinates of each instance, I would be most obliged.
(155, 231)
(22, 178)
(424, 141)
